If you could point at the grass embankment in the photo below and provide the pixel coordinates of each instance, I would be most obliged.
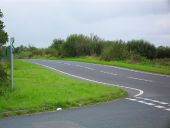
(142, 66)
(39, 89)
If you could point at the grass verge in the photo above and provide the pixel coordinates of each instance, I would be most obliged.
(39, 89)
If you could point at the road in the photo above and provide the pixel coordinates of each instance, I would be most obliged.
(148, 104)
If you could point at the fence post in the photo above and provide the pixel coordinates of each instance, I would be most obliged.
(11, 63)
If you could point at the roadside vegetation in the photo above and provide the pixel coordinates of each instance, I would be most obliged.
(134, 54)
(36, 91)
(3, 63)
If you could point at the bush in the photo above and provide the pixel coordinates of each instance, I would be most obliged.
(163, 52)
(115, 51)
(3, 74)
(76, 45)
(143, 48)
(134, 59)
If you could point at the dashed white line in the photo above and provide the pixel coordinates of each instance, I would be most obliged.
(67, 64)
(131, 99)
(140, 79)
(85, 67)
(168, 109)
(158, 106)
(156, 101)
(132, 70)
(140, 101)
(109, 73)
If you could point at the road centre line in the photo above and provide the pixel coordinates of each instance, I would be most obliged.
(67, 64)
(158, 106)
(156, 101)
(109, 73)
(131, 99)
(132, 70)
(144, 102)
(84, 67)
(140, 79)
(168, 109)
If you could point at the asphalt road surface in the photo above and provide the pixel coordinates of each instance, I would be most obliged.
(148, 104)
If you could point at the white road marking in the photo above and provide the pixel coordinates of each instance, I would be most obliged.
(85, 67)
(130, 99)
(140, 101)
(109, 73)
(140, 91)
(168, 109)
(67, 64)
(156, 101)
(140, 79)
(150, 104)
(158, 106)
(132, 70)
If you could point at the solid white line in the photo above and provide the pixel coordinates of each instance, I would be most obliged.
(140, 79)
(158, 106)
(85, 67)
(109, 73)
(156, 101)
(140, 91)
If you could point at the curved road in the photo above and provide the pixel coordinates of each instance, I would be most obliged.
(148, 104)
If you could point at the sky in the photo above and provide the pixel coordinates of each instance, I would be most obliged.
(38, 22)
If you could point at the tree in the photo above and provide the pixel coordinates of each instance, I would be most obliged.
(3, 34)
(3, 40)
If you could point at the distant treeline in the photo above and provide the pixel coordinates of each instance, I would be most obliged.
(81, 45)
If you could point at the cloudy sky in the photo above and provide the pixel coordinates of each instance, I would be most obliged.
(38, 22)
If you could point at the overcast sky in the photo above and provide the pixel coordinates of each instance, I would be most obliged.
(38, 22)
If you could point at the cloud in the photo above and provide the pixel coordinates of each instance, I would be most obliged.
(40, 21)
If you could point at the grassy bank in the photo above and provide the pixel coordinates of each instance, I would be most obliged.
(39, 89)
(143, 66)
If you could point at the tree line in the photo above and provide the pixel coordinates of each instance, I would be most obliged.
(78, 45)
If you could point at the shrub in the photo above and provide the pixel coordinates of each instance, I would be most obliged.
(115, 51)
(163, 52)
(142, 47)
(3, 74)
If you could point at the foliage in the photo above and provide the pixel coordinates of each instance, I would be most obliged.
(79, 45)
(3, 75)
(3, 34)
(143, 48)
(115, 50)
(3, 40)
(163, 52)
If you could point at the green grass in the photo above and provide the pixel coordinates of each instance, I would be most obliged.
(143, 66)
(39, 89)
